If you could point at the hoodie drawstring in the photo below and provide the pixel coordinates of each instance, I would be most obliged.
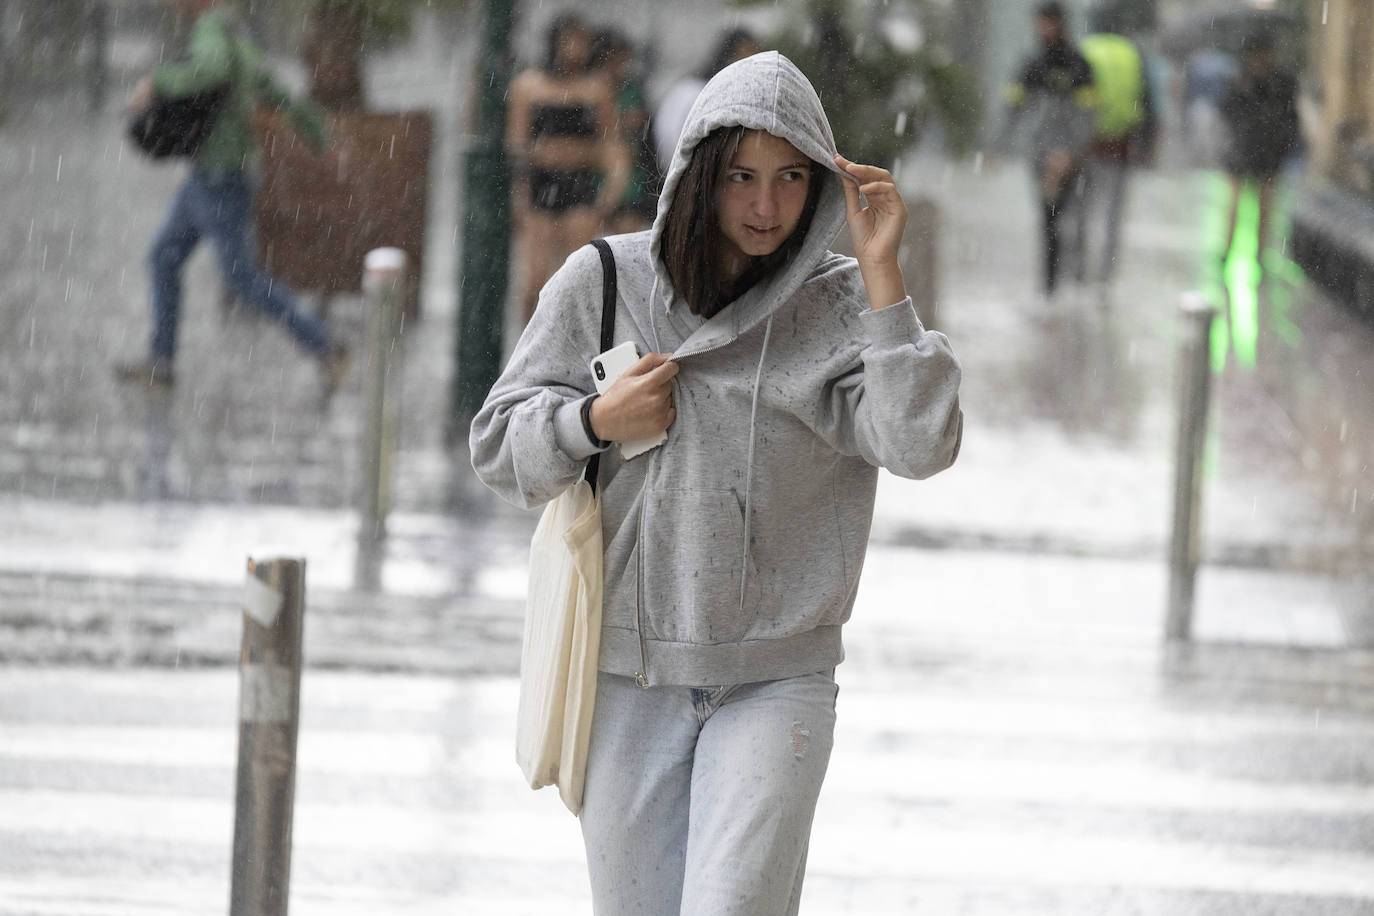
(749, 462)
(642, 675)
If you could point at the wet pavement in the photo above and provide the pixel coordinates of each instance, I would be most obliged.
(1001, 749)
(1014, 736)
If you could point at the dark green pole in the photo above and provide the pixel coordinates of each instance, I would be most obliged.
(486, 228)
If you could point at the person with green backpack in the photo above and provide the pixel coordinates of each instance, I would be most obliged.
(1124, 136)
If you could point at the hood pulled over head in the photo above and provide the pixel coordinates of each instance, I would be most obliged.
(764, 92)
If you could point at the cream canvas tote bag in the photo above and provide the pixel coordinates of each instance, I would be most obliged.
(558, 659)
(562, 641)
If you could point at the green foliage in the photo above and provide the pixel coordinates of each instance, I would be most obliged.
(879, 97)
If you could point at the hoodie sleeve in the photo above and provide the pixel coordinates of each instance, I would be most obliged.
(897, 404)
(305, 116)
(528, 443)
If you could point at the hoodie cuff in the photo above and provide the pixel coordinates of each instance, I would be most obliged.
(569, 432)
(897, 324)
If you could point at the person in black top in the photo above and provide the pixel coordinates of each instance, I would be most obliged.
(1051, 113)
(1260, 109)
(570, 163)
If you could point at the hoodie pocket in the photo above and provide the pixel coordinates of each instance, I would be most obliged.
(693, 563)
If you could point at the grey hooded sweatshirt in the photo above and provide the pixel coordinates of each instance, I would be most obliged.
(733, 551)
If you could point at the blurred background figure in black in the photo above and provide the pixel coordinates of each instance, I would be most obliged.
(569, 163)
(1260, 109)
(1050, 114)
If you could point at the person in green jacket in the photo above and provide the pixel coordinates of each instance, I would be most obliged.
(216, 200)
(1124, 136)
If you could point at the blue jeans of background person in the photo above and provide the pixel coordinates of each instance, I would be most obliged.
(699, 801)
(218, 207)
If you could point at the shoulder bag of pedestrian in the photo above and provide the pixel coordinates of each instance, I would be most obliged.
(562, 640)
(171, 127)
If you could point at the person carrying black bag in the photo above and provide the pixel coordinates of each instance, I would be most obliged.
(216, 200)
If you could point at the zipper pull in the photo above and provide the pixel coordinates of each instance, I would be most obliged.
(641, 679)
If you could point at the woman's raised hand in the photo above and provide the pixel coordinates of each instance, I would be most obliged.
(876, 229)
(639, 404)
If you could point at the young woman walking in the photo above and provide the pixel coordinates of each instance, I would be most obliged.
(784, 376)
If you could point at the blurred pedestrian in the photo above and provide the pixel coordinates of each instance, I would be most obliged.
(571, 167)
(1260, 108)
(613, 58)
(671, 114)
(1206, 74)
(1124, 136)
(1051, 110)
(733, 549)
(216, 199)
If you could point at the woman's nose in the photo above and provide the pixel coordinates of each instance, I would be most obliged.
(765, 202)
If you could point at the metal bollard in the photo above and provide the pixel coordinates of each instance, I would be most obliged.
(1195, 376)
(384, 286)
(269, 713)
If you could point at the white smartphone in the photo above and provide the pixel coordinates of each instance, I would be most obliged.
(608, 367)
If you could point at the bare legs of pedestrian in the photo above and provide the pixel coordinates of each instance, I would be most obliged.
(548, 240)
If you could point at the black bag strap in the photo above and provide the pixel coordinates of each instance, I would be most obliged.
(607, 333)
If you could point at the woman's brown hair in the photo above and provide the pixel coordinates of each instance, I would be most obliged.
(690, 246)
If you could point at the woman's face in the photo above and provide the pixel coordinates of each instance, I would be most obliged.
(574, 47)
(760, 198)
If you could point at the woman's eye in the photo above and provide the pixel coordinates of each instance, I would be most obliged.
(794, 176)
(739, 176)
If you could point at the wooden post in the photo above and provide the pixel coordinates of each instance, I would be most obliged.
(269, 714)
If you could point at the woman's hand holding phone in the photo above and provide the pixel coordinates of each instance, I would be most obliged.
(639, 404)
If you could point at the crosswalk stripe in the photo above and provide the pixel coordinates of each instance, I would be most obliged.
(855, 841)
(939, 768)
(393, 753)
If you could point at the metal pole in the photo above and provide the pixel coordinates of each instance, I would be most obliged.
(384, 286)
(269, 712)
(1194, 401)
(486, 229)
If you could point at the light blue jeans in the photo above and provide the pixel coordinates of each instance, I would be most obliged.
(699, 801)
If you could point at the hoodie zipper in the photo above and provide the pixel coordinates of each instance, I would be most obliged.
(642, 675)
